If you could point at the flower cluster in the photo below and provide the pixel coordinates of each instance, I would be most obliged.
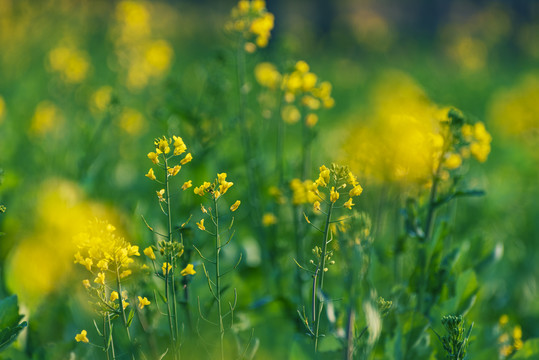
(300, 87)
(302, 191)
(101, 251)
(339, 182)
(252, 20)
(219, 187)
(510, 339)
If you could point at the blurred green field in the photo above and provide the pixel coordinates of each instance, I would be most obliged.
(86, 87)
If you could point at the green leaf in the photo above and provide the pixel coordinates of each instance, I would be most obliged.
(329, 343)
(467, 288)
(529, 350)
(130, 317)
(9, 321)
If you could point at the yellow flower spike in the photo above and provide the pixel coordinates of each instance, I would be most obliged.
(100, 279)
(160, 194)
(316, 205)
(86, 283)
(200, 225)
(142, 302)
(235, 206)
(352, 180)
(114, 296)
(349, 204)
(150, 175)
(149, 253)
(189, 270)
(154, 157)
(356, 191)
(166, 268)
(179, 145)
(453, 161)
(174, 171)
(186, 159)
(334, 195)
(163, 145)
(186, 185)
(82, 337)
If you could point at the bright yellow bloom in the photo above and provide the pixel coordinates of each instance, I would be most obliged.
(186, 159)
(150, 175)
(82, 336)
(189, 270)
(453, 161)
(149, 253)
(504, 319)
(103, 264)
(125, 303)
(142, 302)
(356, 191)
(235, 206)
(258, 5)
(199, 190)
(309, 81)
(225, 185)
(114, 296)
(349, 204)
(316, 205)
(179, 145)
(311, 120)
(163, 145)
(166, 268)
(125, 273)
(100, 279)
(154, 157)
(334, 195)
(266, 74)
(302, 67)
(86, 283)
(517, 332)
(290, 114)
(200, 225)
(174, 171)
(186, 185)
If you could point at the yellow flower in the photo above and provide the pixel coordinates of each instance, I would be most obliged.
(269, 219)
(334, 195)
(453, 161)
(100, 279)
(114, 296)
(349, 204)
(200, 225)
(517, 332)
(225, 185)
(150, 175)
(103, 264)
(125, 273)
(154, 157)
(302, 67)
(86, 283)
(290, 114)
(504, 319)
(189, 270)
(186, 159)
(160, 194)
(125, 303)
(356, 191)
(235, 206)
(316, 205)
(166, 268)
(179, 145)
(267, 75)
(174, 171)
(311, 120)
(309, 81)
(186, 185)
(162, 145)
(142, 302)
(149, 252)
(82, 336)
(198, 190)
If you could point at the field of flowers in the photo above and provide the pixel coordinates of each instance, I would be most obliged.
(291, 180)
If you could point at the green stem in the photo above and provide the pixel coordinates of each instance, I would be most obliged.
(122, 310)
(111, 339)
(169, 276)
(106, 348)
(218, 279)
(321, 268)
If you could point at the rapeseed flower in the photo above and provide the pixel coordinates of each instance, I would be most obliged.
(82, 337)
(142, 302)
(235, 206)
(189, 270)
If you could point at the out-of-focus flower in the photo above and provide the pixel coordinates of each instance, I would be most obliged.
(189, 270)
(72, 64)
(82, 337)
(47, 117)
(142, 302)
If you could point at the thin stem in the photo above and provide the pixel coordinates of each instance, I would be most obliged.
(124, 318)
(111, 338)
(106, 348)
(218, 278)
(322, 268)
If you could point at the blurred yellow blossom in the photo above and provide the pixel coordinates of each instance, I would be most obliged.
(101, 98)
(235, 206)
(166, 268)
(150, 175)
(2, 108)
(114, 296)
(72, 64)
(149, 253)
(186, 185)
(142, 302)
(82, 336)
(131, 121)
(47, 117)
(269, 219)
(266, 74)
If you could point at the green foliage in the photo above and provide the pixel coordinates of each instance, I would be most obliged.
(10, 321)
